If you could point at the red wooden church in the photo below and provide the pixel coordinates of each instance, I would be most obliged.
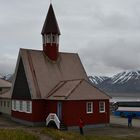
(53, 86)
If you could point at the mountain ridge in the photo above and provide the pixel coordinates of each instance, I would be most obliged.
(123, 82)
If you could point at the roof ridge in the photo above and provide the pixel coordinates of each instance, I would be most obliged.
(26, 49)
(59, 86)
(54, 90)
(72, 80)
(97, 88)
(3, 92)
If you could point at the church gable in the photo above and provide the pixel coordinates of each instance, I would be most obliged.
(21, 88)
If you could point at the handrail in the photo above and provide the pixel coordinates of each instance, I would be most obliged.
(53, 117)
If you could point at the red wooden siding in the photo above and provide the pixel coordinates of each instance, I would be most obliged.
(38, 112)
(73, 110)
(51, 50)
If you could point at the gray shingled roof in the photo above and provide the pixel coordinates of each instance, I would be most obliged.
(43, 74)
(64, 79)
(76, 90)
(6, 94)
(4, 83)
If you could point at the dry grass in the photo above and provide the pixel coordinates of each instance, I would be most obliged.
(60, 135)
(16, 134)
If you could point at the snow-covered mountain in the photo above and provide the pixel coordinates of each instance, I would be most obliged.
(97, 79)
(124, 82)
(125, 76)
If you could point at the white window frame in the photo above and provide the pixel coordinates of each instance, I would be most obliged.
(48, 38)
(101, 106)
(21, 106)
(53, 38)
(8, 104)
(28, 107)
(17, 105)
(14, 105)
(89, 107)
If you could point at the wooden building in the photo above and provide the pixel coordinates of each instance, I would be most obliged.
(5, 97)
(53, 86)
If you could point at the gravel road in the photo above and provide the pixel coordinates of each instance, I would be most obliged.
(123, 121)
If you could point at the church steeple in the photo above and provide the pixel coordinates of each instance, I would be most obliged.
(50, 34)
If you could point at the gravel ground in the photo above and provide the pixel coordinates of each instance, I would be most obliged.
(117, 128)
(123, 121)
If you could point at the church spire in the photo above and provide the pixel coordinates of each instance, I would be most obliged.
(50, 24)
(50, 34)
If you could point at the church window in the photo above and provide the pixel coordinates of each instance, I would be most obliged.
(48, 40)
(28, 106)
(102, 107)
(8, 103)
(53, 39)
(20, 105)
(89, 107)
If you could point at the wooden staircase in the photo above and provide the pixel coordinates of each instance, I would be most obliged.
(63, 127)
(52, 120)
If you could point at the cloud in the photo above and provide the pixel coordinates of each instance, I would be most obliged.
(110, 55)
(104, 32)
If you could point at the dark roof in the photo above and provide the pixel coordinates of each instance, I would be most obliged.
(50, 24)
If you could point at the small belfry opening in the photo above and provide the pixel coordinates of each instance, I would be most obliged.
(50, 35)
(50, 38)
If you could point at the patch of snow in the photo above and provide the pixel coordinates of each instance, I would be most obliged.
(125, 76)
(97, 79)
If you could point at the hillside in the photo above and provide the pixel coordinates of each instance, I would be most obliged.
(126, 82)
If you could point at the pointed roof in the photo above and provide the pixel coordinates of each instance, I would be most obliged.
(50, 24)
(37, 78)
(55, 81)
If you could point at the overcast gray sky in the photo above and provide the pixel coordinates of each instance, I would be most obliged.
(105, 33)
